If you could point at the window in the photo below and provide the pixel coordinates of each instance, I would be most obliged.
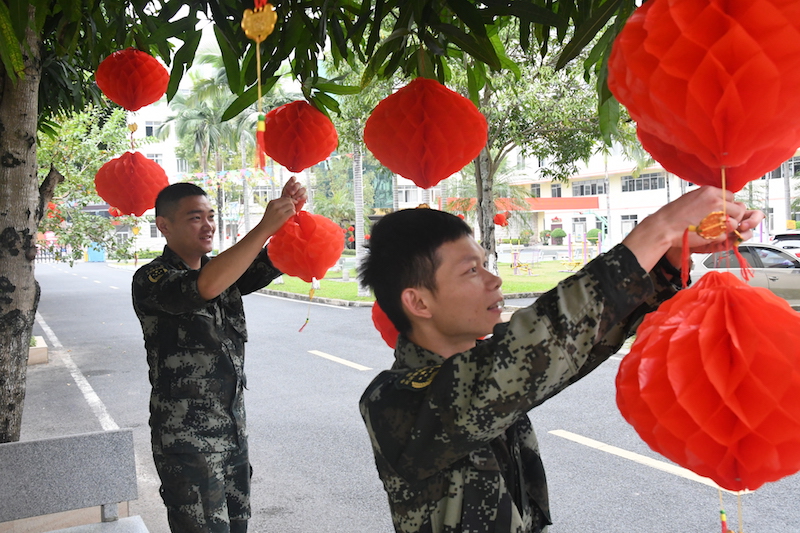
(153, 230)
(794, 166)
(728, 259)
(628, 223)
(536, 191)
(407, 194)
(150, 128)
(588, 187)
(183, 165)
(555, 190)
(154, 157)
(579, 226)
(646, 182)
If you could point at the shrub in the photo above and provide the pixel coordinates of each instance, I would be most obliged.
(593, 235)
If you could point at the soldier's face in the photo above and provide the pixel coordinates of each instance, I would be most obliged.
(468, 300)
(190, 230)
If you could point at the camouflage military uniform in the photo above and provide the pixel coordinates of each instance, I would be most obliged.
(452, 441)
(195, 352)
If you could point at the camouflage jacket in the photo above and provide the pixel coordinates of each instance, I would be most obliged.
(451, 437)
(195, 351)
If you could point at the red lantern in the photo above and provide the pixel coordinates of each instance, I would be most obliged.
(114, 212)
(425, 132)
(500, 219)
(297, 135)
(306, 246)
(351, 239)
(130, 183)
(713, 387)
(384, 326)
(712, 84)
(132, 78)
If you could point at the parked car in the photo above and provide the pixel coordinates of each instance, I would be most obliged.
(793, 247)
(788, 235)
(774, 268)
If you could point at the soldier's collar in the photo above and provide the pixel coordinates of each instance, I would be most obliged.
(409, 355)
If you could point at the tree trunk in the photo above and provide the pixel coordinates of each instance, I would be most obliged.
(20, 211)
(484, 183)
(358, 196)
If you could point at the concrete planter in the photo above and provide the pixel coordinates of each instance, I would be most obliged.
(37, 355)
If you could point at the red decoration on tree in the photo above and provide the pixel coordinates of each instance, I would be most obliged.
(425, 132)
(712, 84)
(130, 183)
(713, 387)
(384, 326)
(114, 212)
(306, 246)
(501, 219)
(351, 239)
(132, 78)
(297, 135)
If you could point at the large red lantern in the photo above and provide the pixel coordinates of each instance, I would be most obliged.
(384, 326)
(132, 78)
(714, 387)
(130, 183)
(425, 132)
(306, 246)
(712, 84)
(297, 135)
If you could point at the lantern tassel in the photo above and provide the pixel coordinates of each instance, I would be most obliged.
(310, 297)
(261, 141)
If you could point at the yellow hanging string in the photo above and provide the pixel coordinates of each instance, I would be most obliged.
(310, 297)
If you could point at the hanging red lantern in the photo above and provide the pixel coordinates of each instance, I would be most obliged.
(297, 135)
(115, 212)
(712, 84)
(425, 132)
(713, 388)
(500, 219)
(306, 246)
(130, 183)
(384, 326)
(132, 78)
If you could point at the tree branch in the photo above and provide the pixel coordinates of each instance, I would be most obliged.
(46, 191)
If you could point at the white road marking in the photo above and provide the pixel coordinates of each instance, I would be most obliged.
(94, 401)
(641, 459)
(112, 287)
(339, 360)
(96, 281)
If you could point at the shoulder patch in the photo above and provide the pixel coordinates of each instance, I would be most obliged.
(156, 273)
(418, 379)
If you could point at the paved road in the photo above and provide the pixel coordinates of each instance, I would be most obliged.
(313, 467)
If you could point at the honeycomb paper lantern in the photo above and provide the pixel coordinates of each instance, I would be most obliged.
(712, 84)
(306, 246)
(130, 183)
(501, 219)
(384, 326)
(132, 78)
(425, 132)
(712, 382)
(297, 135)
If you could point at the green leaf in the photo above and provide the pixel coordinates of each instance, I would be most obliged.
(248, 98)
(480, 49)
(608, 112)
(467, 13)
(323, 102)
(230, 60)
(182, 61)
(524, 9)
(335, 88)
(9, 46)
(587, 31)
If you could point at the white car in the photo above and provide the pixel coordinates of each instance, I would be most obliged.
(774, 268)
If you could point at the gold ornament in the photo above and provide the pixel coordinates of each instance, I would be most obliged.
(258, 24)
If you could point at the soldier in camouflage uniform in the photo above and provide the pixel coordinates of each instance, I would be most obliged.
(190, 309)
(448, 423)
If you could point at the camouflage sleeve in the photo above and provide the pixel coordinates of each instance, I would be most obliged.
(259, 274)
(159, 288)
(476, 395)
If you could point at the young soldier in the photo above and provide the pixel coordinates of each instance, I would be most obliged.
(192, 317)
(448, 423)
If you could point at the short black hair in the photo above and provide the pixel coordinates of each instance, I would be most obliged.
(403, 253)
(167, 200)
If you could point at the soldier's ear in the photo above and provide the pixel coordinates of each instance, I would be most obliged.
(162, 223)
(415, 302)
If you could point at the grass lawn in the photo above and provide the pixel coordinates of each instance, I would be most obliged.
(542, 277)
